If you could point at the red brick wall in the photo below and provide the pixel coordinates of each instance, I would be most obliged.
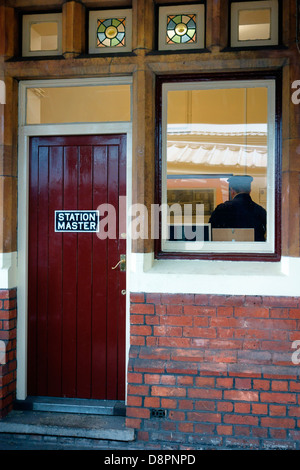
(8, 323)
(219, 366)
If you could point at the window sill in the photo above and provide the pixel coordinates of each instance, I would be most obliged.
(221, 255)
(268, 47)
(148, 274)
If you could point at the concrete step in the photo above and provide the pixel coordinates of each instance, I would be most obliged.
(72, 405)
(84, 425)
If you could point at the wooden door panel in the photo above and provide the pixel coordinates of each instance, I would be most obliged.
(54, 280)
(42, 270)
(76, 312)
(69, 267)
(84, 278)
(100, 281)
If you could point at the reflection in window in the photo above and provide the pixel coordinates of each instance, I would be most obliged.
(254, 24)
(44, 36)
(213, 133)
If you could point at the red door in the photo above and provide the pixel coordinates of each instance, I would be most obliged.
(76, 301)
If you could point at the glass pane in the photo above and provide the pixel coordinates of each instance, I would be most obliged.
(181, 29)
(111, 32)
(78, 104)
(254, 24)
(44, 36)
(213, 134)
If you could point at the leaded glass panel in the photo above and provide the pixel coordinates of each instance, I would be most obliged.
(181, 29)
(111, 32)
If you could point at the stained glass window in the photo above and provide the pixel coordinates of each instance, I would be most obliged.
(110, 31)
(181, 27)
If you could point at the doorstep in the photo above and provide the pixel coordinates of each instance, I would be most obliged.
(72, 405)
(76, 425)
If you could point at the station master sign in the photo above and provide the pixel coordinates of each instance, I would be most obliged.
(76, 221)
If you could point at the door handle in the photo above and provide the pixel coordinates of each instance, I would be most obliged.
(121, 263)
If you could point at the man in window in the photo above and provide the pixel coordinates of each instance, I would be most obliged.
(240, 211)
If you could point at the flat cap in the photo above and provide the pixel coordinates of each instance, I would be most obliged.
(240, 180)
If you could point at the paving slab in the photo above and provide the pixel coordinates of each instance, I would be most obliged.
(67, 425)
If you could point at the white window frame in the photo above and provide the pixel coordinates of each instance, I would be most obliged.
(201, 247)
(77, 83)
(166, 11)
(28, 20)
(93, 17)
(236, 7)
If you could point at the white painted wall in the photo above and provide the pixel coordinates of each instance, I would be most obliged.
(8, 270)
(214, 277)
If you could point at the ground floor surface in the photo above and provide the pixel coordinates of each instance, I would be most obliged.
(31, 430)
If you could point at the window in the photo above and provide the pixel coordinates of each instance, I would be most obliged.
(42, 34)
(254, 23)
(110, 31)
(77, 103)
(181, 27)
(211, 131)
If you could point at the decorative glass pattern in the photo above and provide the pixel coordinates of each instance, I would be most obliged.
(181, 29)
(111, 32)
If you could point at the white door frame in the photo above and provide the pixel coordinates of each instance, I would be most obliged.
(25, 132)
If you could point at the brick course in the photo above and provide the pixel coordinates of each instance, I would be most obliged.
(8, 323)
(219, 366)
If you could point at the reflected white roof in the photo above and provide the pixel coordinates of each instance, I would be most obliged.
(210, 153)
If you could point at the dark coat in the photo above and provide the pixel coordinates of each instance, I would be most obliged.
(241, 212)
